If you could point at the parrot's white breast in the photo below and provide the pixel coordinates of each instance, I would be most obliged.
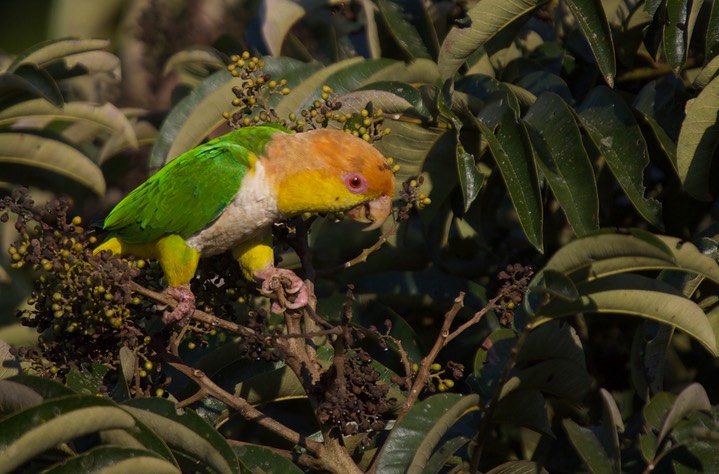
(253, 209)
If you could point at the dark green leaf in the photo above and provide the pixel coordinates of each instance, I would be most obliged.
(524, 408)
(681, 16)
(402, 29)
(491, 358)
(47, 52)
(412, 440)
(614, 131)
(28, 433)
(87, 379)
(185, 432)
(260, 459)
(512, 151)
(611, 424)
(588, 447)
(692, 398)
(711, 48)
(119, 460)
(518, 467)
(594, 25)
(564, 161)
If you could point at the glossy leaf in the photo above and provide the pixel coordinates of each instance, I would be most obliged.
(562, 378)
(593, 22)
(491, 358)
(37, 151)
(28, 433)
(486, 19)
(512, 151)
(659, 107)
(678, 29)
(614, 131)
(698, 141)
(564, 162)
(444, 453)
(635, 295)
(412, 440)
(185, 433)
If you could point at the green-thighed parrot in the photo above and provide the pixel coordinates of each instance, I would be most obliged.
(226, 194)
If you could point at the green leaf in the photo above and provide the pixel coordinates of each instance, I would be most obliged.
(611, 424)
(588, 447)
(9, 362)
(512, 151)
(484, 21)
(607, 253)
(115, 459)
(53, 50)
(470, 179)
(491, 358)
(593, 22)
(28, 78)
(711, 48)
(412, 440)
(614, 131)
(106, 116)
(678, 28)
(260, 459)
(564, 161)
(15, 396)
(87, 379)
(277, 17)
(444, 453)
(402, 30)
(185, 433)
(698, 141)
(36, 151)
(46, 388)
(692, 398)
(523, 408)
(636, 296)
(518, 467)
(563, 378)
(28, 433)
(655, 412)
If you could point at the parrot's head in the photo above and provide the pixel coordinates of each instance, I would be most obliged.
(330, 171)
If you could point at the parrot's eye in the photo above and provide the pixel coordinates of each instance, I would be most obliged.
(355, 183)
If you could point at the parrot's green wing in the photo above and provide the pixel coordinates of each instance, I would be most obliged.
(191, 191)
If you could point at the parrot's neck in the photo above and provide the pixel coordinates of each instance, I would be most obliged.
(253, 209)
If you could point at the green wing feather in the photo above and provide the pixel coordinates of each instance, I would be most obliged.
(191, 191)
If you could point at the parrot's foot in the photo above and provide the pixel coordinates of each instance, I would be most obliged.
(181, 313)
(288, 290)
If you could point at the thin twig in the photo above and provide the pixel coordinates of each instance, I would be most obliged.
(362, 257)
(246, 410)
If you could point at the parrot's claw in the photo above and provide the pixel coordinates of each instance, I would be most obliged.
(181, 313)
(287, 289)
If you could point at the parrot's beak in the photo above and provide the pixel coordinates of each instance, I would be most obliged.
(372, 212)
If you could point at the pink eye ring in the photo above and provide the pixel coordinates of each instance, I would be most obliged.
(355, 183)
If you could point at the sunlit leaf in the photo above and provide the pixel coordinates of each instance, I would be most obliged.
(698, 141)
(119, 460)
(636, 295)
(36, 151)
(484, 21)
(52, 50)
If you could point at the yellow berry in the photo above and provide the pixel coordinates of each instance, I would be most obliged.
(442, 387)
(436, 367)
(415, 367)
(449, 383)
(142, 373)
(364, 113)
(245, 55)
(159, 392)
(285, 91)
(191, 345)
(77, 220)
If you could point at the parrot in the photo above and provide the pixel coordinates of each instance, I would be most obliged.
(225, 195)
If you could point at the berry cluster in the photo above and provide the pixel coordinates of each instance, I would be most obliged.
(81, 303)
(515, 279)
(356, 402)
